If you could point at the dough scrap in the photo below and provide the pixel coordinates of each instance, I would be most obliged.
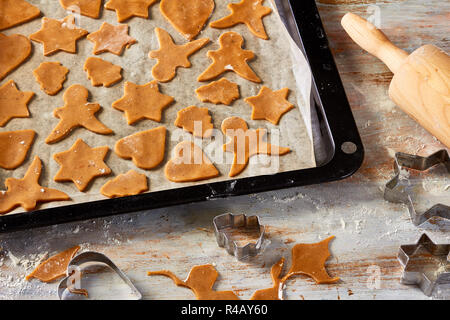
(51, 76)
(171, 56)
(201, 281)
(111, 38)
(196, 121)
(15, 12)
(54, 267)
(101, 72)
(219, 92)
(145, 148)
(76, 112)
(59, 35)
(15, 50)
(270, 105)
(246, 143)
(248, 12)
(14, 146)
(230, 57)
(13, 103)
(89, 8)
(27, 192)
(187, 16)
(189, 164)
(128, 184)
(274, 292)
(81, 164)
(125, 9)
(142, 102)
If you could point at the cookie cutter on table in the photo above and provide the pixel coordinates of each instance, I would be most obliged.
(94, 257)
(438, 273)
(232, 221)
(395, 193)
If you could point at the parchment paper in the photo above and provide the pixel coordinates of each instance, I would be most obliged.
(279, 63)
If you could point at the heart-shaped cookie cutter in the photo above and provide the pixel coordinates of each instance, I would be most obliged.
(94, 257)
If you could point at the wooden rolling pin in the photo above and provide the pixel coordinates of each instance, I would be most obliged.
(421, 82)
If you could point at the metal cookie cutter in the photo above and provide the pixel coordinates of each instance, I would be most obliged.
(94, 257)
(234, 222)
(425, 264)
(395, 193)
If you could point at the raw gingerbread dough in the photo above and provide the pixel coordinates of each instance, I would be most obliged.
(14, 146)
(189, 163)
(187, 16)
(201, 281)
(125, 9)
(142, 102)
(14, 12)
(27, 192)
(270, 105)
(15, 49)
(89, 8)
(274, 292)
(246, 143)
(76, 112)
(58, 35)
(171, 56)
(230, 57)
(81, 164)
(13, 103)
(54, 267)
(249, 12)
(101, 72)
(128, 184)
(145, 148)
(222, 91)
(196, 121)
(51, 76)
(111, 38)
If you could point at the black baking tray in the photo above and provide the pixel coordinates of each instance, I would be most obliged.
(339, 155)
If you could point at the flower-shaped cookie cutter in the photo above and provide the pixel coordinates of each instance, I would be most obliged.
(395, 193)
(92, 257)
(229, 221)
(425, 264)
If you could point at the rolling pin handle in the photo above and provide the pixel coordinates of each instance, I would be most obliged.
(371, 39)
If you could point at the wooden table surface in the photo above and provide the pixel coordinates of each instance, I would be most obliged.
(368, 229)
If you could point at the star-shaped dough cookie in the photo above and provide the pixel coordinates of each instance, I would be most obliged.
(171, 56)
(51, 76)
(77, 112)
(13, 103)
(15, 12)
(81, 164)
(249, 12)
(27, 192)
(111, 38)
(142, 102)
(230, 57)
(125, 9)
(269, 105)
(58, 35)
(89, 8)
(101, 72)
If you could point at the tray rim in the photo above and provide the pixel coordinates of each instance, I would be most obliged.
(329, 91)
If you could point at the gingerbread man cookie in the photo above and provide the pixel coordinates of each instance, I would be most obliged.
(89, 8)
(13, 103)
(125, 9)
(249, 12)
(51, 76)
(15, 12)
(81, 164)
(171, 56)
(77, 112)
(58, 35)
(142, 102)
(15, 49)
(111, 38)
(27, 192)
(196, 121)
(230, 57)
(14, 146)
(101, 72)
(246, 143)
(222, 91)
(128, 184)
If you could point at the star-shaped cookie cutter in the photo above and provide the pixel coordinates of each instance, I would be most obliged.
(233, 222)
(394, 192)
(429, 274)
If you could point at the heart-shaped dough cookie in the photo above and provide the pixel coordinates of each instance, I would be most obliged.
(15, 49)
(187, 16)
